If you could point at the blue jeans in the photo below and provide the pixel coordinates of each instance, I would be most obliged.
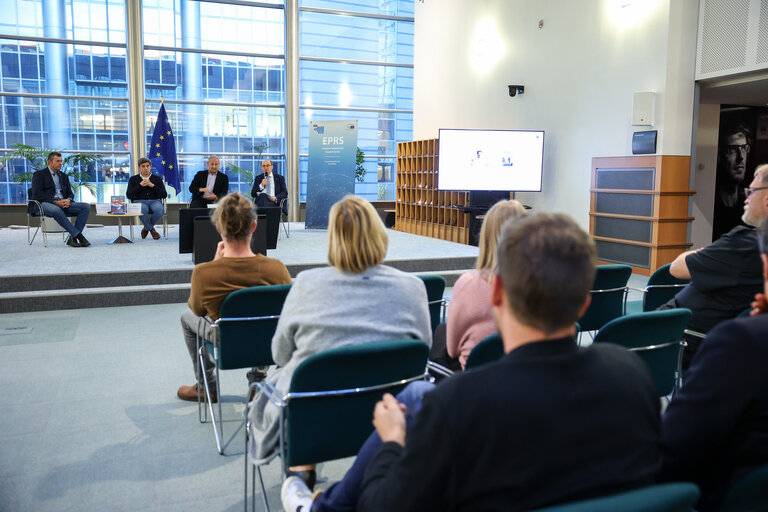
(155, 206)
(79, 210)
(342, 496)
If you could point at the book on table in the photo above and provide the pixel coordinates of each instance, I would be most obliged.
(118, 205)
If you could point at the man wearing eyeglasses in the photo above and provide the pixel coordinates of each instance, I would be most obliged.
(727, 274)
(269, 193)
(729, 187)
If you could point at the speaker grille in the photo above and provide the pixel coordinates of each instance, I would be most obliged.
(724, 35)
(624, 204)
(762, 34)
(624, 229)
(638, 256)
(629, 179)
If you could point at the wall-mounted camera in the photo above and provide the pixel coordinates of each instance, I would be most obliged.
(514, 90)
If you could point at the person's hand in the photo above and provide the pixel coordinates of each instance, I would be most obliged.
(273, 199)
(759, 305)
(219, 251)
(210, 197)
(146, 183)
(205, 191)
(264, 182)
(389, 420)
(62, 203)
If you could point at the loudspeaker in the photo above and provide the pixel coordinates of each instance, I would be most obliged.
(642, 108)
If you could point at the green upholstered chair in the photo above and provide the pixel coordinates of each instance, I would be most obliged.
(660, 288)
(489, 349)
(435, 286)
(326, 414)
(607, 293)
(671, 497)
(242, 338)
(749, 493)
(655, 336)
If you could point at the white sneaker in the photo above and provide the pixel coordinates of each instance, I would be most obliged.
(295, 495)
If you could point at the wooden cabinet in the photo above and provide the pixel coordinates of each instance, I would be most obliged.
(639, 210)
(420, 208)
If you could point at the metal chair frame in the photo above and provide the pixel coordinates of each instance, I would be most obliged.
(606, 290)
(44, 226)
(202, 412)
(281, 401)
(284, 220)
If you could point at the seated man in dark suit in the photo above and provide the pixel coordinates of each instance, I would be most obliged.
(51, 188)
(715, 430)
(269, 188)
(550, 422)
(209, 186)
(726, 274)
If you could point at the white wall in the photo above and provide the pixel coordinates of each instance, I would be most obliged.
(580, 71)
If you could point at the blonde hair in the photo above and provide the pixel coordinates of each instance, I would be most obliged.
(234, 216)
(357, 238)
(489, 233)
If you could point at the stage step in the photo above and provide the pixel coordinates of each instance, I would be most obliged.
(110, 289)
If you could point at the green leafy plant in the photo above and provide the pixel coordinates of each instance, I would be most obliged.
(359, 169)
(248, 173)
(38, 159)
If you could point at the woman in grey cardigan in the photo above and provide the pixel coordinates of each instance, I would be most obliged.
(356, 300)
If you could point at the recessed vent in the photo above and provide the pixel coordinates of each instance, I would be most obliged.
(724, 35)
(762, 34)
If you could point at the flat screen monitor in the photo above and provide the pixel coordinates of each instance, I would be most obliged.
(508, 160)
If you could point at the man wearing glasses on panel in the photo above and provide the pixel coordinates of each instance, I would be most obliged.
(731, 172)
(270, 193)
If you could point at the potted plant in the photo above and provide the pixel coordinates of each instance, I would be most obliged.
(38, 159)
(258, 149)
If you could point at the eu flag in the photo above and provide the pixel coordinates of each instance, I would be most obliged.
(162, 151)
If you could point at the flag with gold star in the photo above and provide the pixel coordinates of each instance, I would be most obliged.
(162, 151)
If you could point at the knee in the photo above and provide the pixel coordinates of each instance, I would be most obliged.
(414, 391)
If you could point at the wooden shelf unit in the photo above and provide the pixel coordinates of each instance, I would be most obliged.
(639, 210)
(420, 208)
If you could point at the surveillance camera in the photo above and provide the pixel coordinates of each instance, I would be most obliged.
(514, 90)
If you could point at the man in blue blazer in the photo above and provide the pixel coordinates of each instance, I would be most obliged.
(50, 187)
(269, 188)
(209, 186)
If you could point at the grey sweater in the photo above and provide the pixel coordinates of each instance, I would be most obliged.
(327, 308)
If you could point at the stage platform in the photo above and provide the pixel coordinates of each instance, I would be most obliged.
(39, 278)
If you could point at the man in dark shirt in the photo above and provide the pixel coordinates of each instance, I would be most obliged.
(209, 186)
(50, 187)
(715, 431)
(548, 423)
(725, 275)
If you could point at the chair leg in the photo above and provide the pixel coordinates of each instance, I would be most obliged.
(216, 432)
(263, 490)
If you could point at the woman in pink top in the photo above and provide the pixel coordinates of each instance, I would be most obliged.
(470, 318)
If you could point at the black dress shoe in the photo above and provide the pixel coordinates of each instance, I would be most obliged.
(83, 241)
(72, 242)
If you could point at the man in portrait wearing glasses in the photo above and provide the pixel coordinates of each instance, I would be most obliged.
(726, 274)
(729, 187)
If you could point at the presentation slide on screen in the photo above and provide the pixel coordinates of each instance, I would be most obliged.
(490, 160)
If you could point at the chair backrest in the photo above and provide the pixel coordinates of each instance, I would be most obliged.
(332, 425)
(671, 497)
(607, 296)
(661, 287)
(664, 362)
(749, 493)
(489, 349)
(247, 322)
(435, 288)
(646, 328)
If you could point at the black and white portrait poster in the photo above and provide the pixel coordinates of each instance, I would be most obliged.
(742, 146)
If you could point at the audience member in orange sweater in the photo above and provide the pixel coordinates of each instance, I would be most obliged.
(234, 267)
